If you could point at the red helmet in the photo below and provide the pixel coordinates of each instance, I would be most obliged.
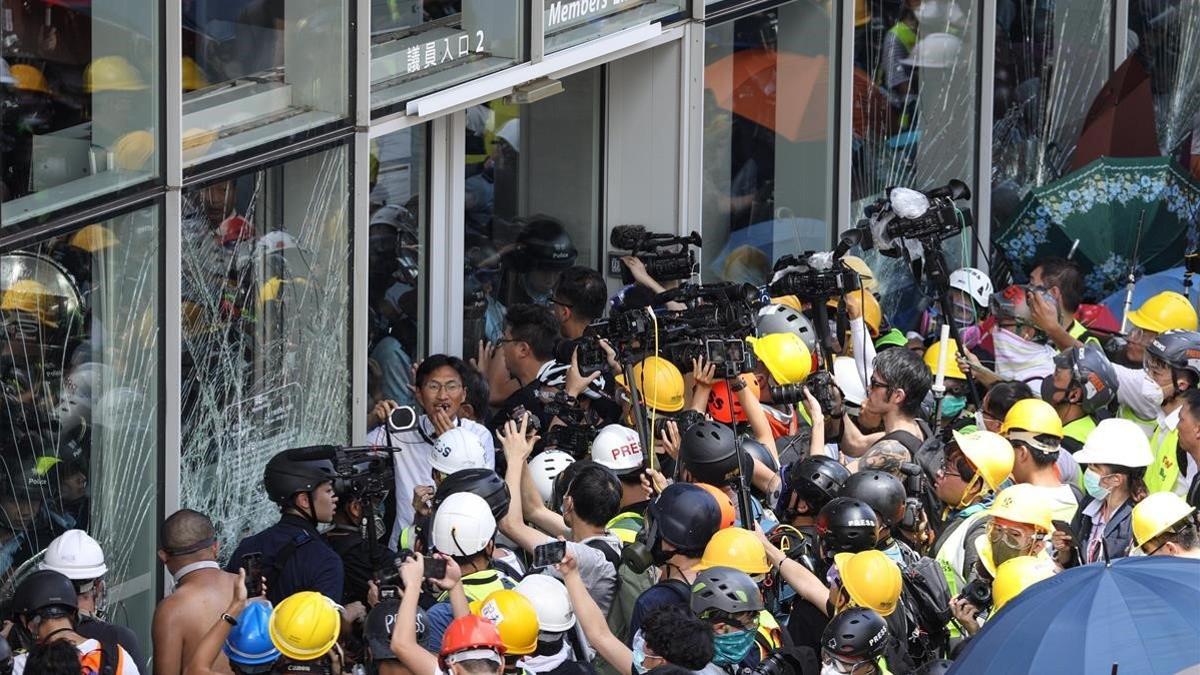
(724, 406)
(469, 632)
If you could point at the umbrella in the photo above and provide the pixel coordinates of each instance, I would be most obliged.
(1100, 206)
(1136, 615)
(1151, 284)
(749, 83)
(773, 238)
(1120, 122)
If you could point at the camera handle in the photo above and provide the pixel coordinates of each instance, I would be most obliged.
(743, 481)
(640, 420)
(824, 337)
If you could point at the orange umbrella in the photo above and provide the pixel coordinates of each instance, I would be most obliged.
(751, 82)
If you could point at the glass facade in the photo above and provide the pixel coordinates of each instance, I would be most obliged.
(265, 311)
(570, 22)
(256, 71)
(769, 130)
(79, 366)
(1166, 40)
(79, 108)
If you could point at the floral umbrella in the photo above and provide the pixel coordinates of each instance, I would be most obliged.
(1099, 205)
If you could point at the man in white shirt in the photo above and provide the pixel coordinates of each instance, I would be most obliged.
(440, 391)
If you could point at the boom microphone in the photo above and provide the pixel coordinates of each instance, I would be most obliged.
(627, 237)
(312, 452)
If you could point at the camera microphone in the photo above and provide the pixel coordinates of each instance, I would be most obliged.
(627, 237)
(312, 453)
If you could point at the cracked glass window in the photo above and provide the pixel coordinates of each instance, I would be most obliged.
(914, 118)
(1165, 36)
(265, 331)
(79, 367)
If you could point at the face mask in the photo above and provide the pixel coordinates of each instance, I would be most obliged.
(1019, 359)
(953, 405)
(1002, 551)
(639, 653)
(1091, 483)
(732, 647)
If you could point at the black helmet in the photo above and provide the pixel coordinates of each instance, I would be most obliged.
(881, 490)
(757, 450)
(1179, 348)
(45, 592)
(724, 589)
(377, 629)
(483, 482)
(297, 470)
(817, 479)
(706, 450)
(545, 244)
(846, 525)
(1092, 372)
(684, 516)
(857, 633)
(935, 667)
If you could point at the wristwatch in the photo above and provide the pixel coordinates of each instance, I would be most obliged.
(738, 384)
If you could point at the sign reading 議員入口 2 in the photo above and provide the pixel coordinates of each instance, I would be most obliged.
(562, 14)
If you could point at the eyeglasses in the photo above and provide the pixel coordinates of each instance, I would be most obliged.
(842, 666)
(962, 468)
(876, 384)
(1012, 536)
(747, 621)
(438, 387)
(560, 303)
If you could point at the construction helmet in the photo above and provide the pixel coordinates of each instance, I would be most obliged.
(193, 76)
(726, 590)
(1014, 575)
(707, 450)
(93, 238)
(198, 141)
(1180, 349)
(471, 634)
(463, 525)
(1012, 303)
(544, 467)
(872, 313)
(935, 50)
(871, 578)
(893, 338)
(934, 353)
(990, 453)
(515, 618)
(1163, 312)
(550, 601)
(1091, 371)
(31, 297)
(857, 633)
(782, 318)
(249, 641)
(480, 481)
(728, 514)
(738, 548)
(1023, 503)
(112, 73)
(1157, 514)
(866, 276)
(846, 525)
(789, 301)
(880, 490)
(75, 555)
(724, 406)
(1116, 442)
(974, 283)
(132, 151)
(619, 448)
(45, 592)
(817, 479)
(683, 515)
(1034, 422)
(660, 384)
(457, 449)
(293, 471)
(785, 356)
(29, 78)
(305, 626)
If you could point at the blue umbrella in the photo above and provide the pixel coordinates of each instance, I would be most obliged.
(1134, 616)
(1151, 284)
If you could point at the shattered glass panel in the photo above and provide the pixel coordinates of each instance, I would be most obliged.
(914, 118)
(1165, 35)
(265, 331)
(79, 428)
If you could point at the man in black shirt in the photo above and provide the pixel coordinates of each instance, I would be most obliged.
(360, 560)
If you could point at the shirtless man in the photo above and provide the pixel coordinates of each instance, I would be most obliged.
(202, 591)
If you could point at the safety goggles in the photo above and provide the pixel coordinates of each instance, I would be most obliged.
(747, 621)
(843, 666)
(1154, 365)
(1015, 537)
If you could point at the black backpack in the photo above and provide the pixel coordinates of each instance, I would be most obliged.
(926, 603)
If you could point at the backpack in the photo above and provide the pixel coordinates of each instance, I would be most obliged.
(629, 586)
(104, 660)
(926, 603)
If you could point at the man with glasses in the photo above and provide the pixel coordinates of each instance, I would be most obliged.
(530, 335)
(579, 298)
(440, 391)
(898, 385)
(1173, 361)
(1164, 524)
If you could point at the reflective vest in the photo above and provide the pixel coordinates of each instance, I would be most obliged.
(478, 585)
(1080, 429)
(770, 635)
(1078, 331)
(953, 553)
(1163, 472)
(906, 35)
(1148, 425)
(626, 526)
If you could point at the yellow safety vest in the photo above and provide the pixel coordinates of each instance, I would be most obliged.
(1078, 330)
(1147, 425)
(479, 585)
(1163, 472)
(1080, 429)
(770, 635)
(626, 526)
(952, 558)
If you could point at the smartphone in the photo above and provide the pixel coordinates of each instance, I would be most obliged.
(252, 563)
(435, 568)
(546, 555)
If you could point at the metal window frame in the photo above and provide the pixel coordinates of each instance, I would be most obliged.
(985, 119)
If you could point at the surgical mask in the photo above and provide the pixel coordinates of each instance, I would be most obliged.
(731, 648)
(1091, 483)
(639, 653)
(953, 405)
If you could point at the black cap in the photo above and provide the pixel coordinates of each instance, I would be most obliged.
(298, 470)
(857, 633)
(480, 481)
(45, 590)
(879, 489)
(846, 525)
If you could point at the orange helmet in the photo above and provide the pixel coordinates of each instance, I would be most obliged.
(728, 515)
(470, 633)
(723, 406)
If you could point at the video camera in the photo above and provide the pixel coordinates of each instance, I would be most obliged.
(363, 472)
(667, 257)
(896, 224)
(813, 276)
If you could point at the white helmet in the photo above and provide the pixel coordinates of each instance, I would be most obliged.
(845, 374)
(618, 448)
(463, 525)
(784, 319)
(936, 50)
(974, 283)
(550, 602)
(457, 449)
(544, 469)
(1116, 442)
(76, 556)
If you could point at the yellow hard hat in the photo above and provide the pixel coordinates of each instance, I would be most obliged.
(1034, 416)
(305, 626)
(193, 76)
(198, 140)
(866, 277)
(1158, 513)
(660, 383)
(112, 73)
(1024, 503)
(789, 301)
(1014, 575)
(31, 297)
(738, 548)
(134, 150)
(871, 578)
(934, 353)
(29, 78)
(93, 238)
(990, 453)
(1163, 312)
(515, 618)
(872, 313)
(785, 355)
(862, 13)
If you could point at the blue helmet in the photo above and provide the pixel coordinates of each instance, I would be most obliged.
(249, 642)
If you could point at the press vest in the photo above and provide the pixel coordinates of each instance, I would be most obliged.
(1163, 472)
